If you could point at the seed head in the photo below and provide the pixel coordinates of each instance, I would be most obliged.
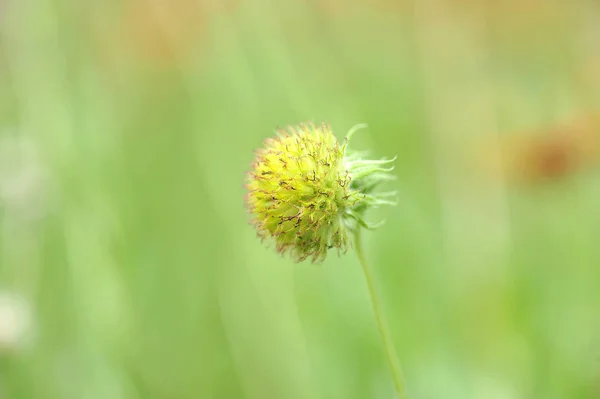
(308, 192)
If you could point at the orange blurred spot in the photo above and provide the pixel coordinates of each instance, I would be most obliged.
(331, 8)
(156, 32)
(347, 7)
(162, 31)
(550, 154)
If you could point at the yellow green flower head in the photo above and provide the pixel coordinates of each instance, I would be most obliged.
(308, 192)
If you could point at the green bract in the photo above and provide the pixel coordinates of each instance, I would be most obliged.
(308, 192)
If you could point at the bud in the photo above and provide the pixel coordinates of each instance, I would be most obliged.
(308, 192)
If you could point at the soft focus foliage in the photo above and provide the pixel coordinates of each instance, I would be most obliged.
(126, 127)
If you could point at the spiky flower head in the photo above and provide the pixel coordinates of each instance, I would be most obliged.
(309, 192)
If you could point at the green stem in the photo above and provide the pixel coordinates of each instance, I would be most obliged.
(386, 338)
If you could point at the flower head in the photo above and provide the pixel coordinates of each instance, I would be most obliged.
(308, 192)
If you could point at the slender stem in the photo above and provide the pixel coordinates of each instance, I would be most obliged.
(386, 338)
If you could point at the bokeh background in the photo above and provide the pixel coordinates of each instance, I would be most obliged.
(128, 269)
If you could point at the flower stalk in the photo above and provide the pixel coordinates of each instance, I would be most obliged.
(384, 332)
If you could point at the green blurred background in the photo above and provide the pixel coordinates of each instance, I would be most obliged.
(127, 264)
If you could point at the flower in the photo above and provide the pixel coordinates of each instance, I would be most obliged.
(308, 192)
